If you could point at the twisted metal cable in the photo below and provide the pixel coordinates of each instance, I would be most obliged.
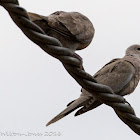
(72, 64)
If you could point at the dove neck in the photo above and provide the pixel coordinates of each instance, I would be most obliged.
(133, 59)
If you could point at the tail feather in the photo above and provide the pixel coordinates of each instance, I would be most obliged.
(41, 21)
(74, 105)
(91, 104)
(34, 16)
(70, 103)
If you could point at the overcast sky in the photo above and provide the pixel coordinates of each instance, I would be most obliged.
(34, 86)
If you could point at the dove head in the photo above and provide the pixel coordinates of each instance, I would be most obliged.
(133, 50)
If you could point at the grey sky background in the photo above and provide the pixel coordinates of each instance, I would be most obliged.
(34, 86)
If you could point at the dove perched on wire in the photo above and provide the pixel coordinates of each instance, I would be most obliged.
(121, 74)
(72, 29)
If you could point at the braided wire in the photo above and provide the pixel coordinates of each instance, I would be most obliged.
(72, 64)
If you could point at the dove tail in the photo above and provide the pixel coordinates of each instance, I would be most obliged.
(34, 16)
(91, 104)
(41, 21)
(70, 103)
(74, 105)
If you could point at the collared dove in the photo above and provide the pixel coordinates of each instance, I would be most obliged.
(72, 29)
(121, 74)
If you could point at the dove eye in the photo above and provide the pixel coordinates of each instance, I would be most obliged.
(138, 49)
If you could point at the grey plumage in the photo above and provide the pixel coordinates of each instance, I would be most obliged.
(121, 74)
(72, 29)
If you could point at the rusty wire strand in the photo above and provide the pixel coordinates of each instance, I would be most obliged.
(72, 64)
